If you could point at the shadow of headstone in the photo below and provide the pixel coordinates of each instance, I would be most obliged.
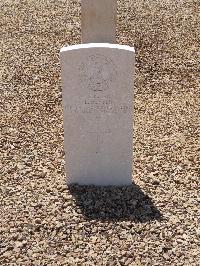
(127, 203)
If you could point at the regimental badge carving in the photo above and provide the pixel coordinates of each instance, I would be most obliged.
(98, 72)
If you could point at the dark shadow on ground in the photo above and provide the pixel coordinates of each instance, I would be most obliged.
(126, 203)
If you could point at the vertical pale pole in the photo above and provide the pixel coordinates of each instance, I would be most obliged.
(98, 21)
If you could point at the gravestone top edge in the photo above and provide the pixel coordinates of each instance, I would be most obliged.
(97, 45)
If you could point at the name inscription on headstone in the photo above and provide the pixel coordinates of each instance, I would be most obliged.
(96, 105)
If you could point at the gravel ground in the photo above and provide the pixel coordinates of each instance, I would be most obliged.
(153, 222)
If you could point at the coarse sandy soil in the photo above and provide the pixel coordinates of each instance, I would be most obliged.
(153, 222)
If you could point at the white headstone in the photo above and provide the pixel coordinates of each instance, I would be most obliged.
(97, 82)
(98, 21)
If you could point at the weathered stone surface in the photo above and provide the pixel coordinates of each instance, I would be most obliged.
(98, 19)
(97, 82)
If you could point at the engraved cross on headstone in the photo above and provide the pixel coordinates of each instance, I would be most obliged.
(99, 135)
(98, 21)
